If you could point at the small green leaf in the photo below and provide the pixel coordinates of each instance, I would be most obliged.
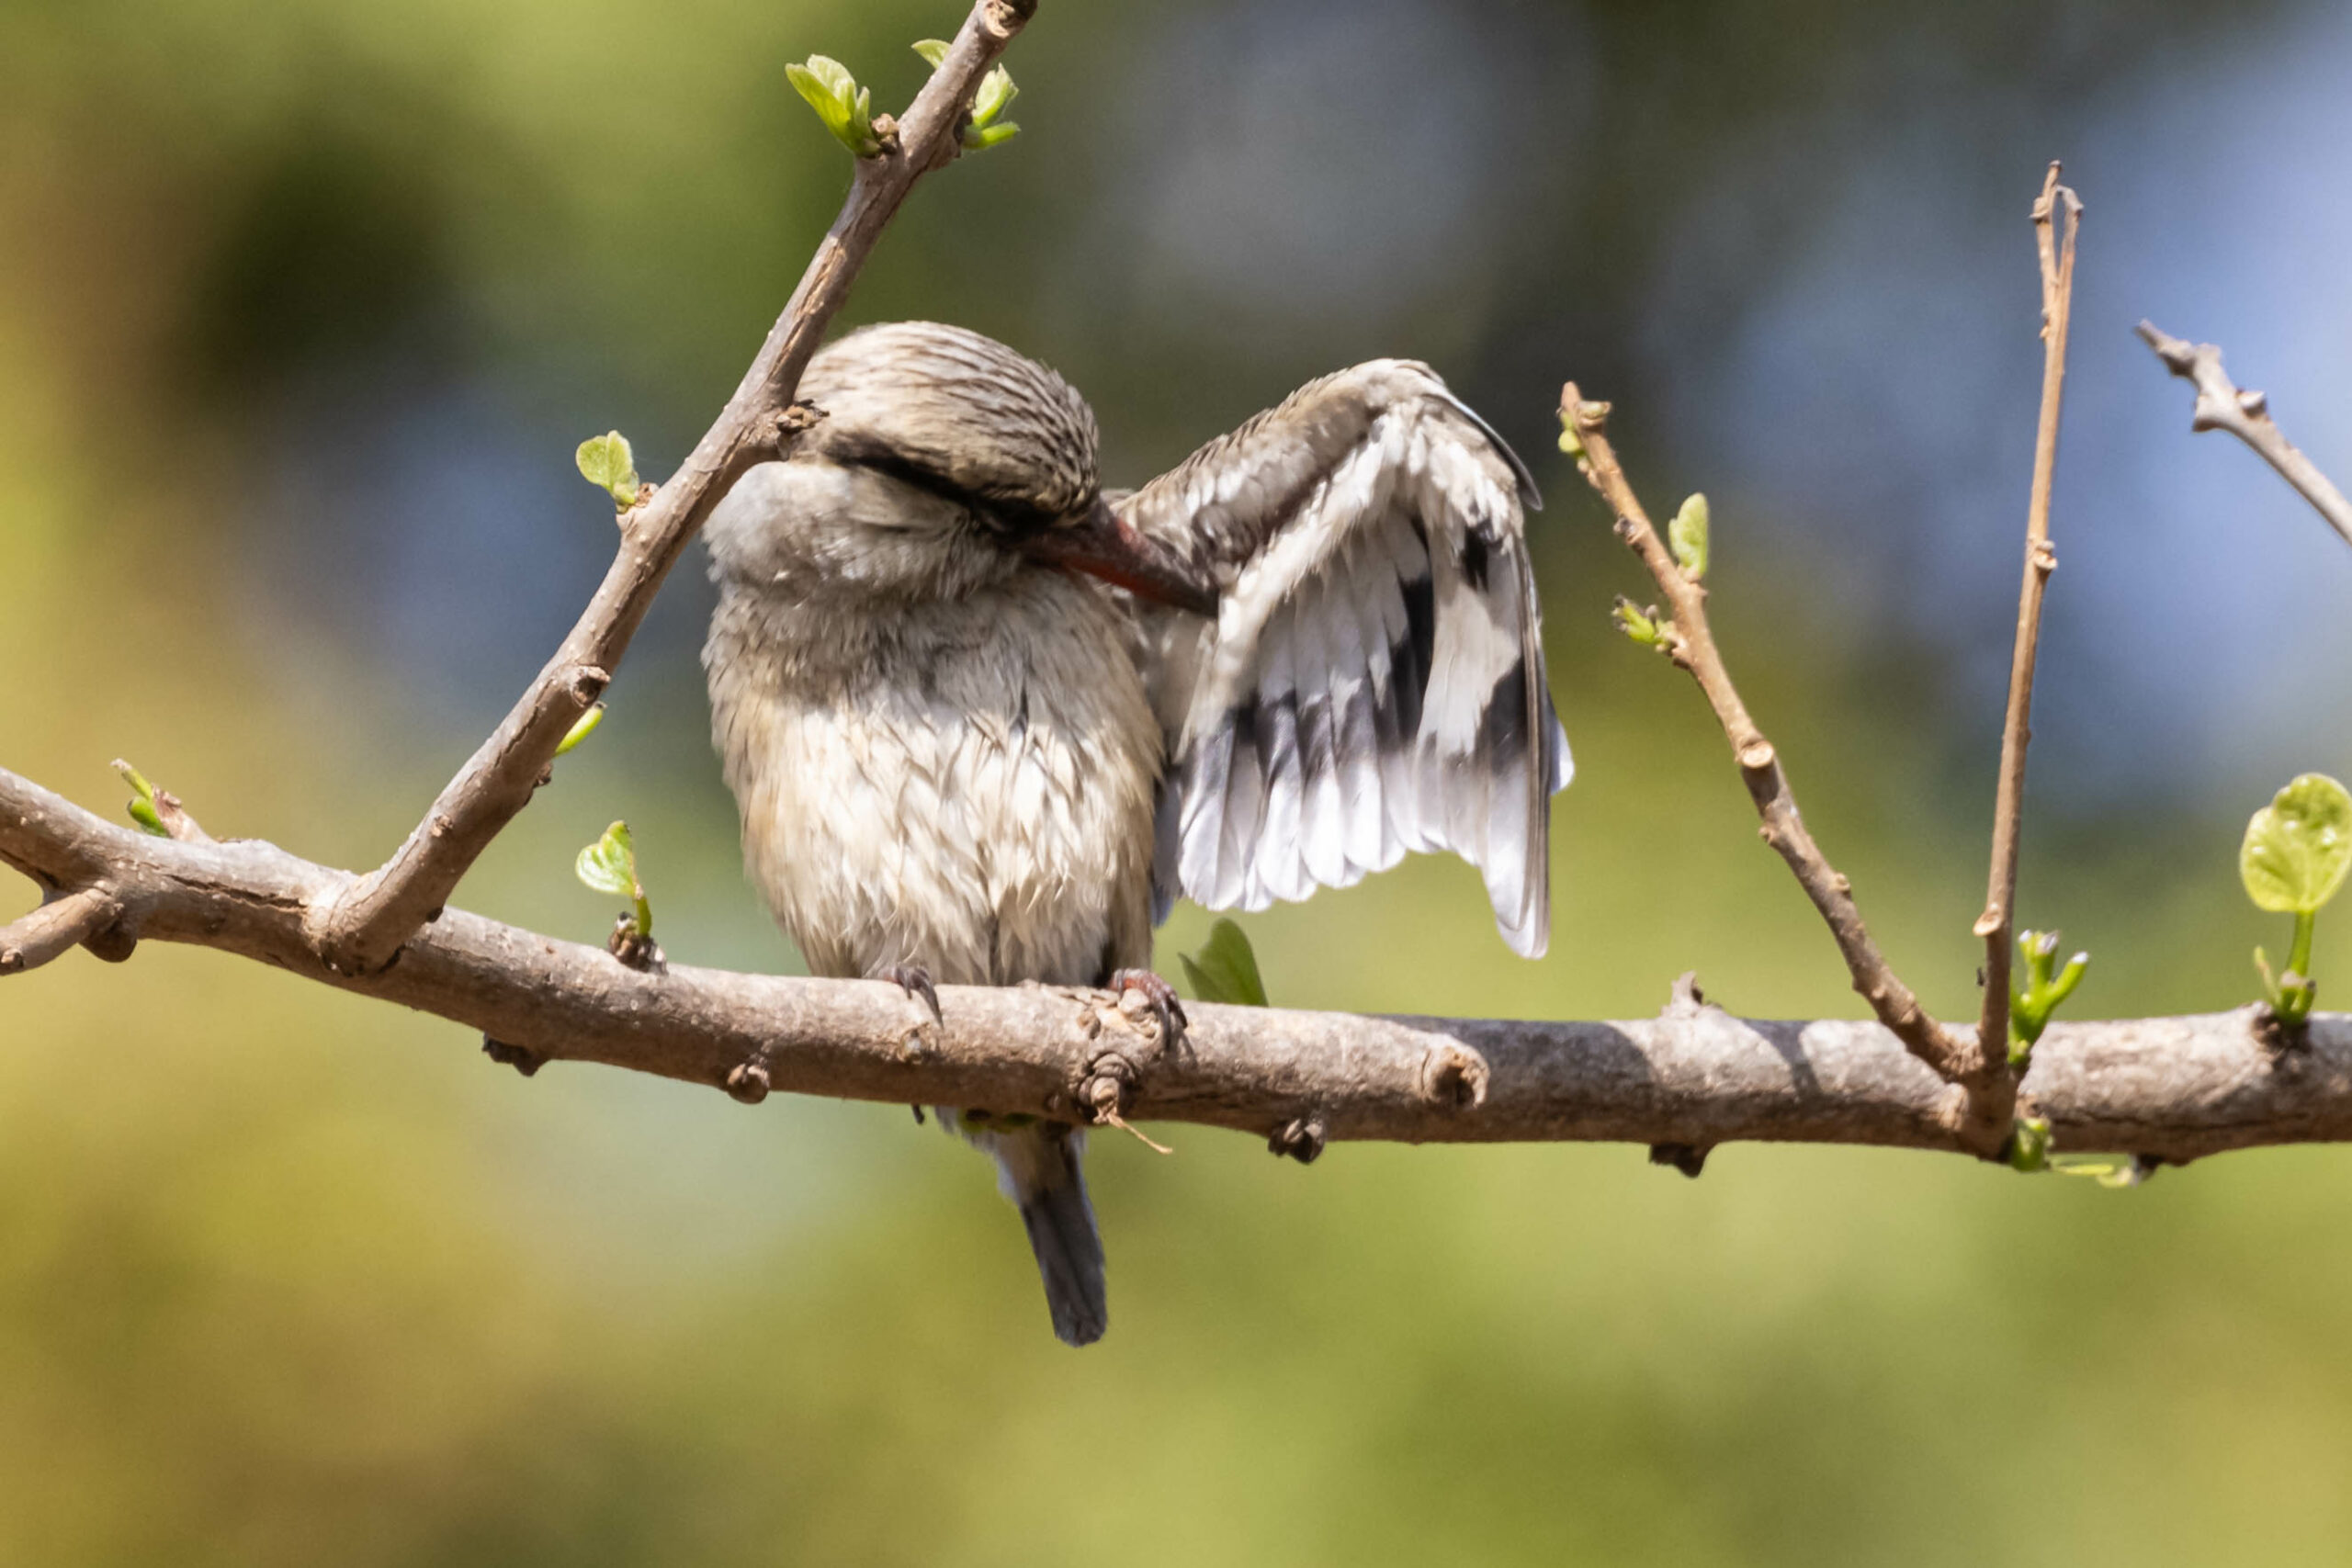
(141, 804)
(1570, 442)
(610, 865)
(582, 729)
(2068, 979)
(2033, 999)
(1646, 628)
(1225, 970)
(1687, 535)
(996, 95)
(2299, 847)
(844, 107)
(606, 462)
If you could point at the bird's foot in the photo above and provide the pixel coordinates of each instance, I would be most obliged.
(1162, 997)
(915, 980)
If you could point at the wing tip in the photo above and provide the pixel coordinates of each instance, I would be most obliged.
(1528, 932)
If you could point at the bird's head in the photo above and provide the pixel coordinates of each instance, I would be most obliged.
(942, 461)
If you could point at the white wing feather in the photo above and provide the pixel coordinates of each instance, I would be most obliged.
(1373, 682)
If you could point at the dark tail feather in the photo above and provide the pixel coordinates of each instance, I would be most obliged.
(1042, 1175)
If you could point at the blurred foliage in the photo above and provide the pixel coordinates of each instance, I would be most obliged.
(299, 300)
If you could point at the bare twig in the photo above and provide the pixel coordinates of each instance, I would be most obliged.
(1951, 1052)
(2246, 416)
(360, 926)
(1695, 1077)
(1997, 924)
(58, 924)
(177, 821)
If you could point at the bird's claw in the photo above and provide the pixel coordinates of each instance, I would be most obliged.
(915, 980)
(1162, 997)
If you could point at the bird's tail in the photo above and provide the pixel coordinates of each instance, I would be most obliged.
(1039, 1169)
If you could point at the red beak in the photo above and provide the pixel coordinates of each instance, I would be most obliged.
(1103, 546)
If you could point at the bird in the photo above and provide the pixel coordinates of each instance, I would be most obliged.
(984, 720)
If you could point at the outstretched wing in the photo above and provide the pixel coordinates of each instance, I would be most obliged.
(1374, 682)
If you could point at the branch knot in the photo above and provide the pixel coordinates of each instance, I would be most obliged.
(747, 1082)
(1453, 1076)
(1300, 1138)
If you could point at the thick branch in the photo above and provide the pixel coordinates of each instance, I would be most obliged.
(2246, 416)
(362, 924)
(2169, 1088)
(1951, 1052)
(60, 923)
(1997, 924)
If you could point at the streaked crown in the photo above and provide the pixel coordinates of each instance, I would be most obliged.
(957, 413)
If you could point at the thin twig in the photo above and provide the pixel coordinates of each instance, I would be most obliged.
(177, 821)
(1997, 924)
(1695, 1075)
(62, 922)
(361, 927)
(2246, 416)
(1951, 1054)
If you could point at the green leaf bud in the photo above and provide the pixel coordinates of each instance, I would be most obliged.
(845, 108)
(1687, 533)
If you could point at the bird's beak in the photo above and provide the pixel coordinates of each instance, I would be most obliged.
(1105, 546)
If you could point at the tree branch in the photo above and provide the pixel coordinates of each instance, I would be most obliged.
(60, 923)
(1951, 1054)
(1997, 924)
(359, 926)
(2166, 1090)
(2171, 1090)
(2246, 416)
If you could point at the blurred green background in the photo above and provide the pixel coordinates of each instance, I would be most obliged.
(303, 306)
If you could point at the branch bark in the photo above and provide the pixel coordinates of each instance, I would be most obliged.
(60, 923)
(2169, 1090)
(1997, 924)
(1951, 1054)
(2221, 405)
(359, 926)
